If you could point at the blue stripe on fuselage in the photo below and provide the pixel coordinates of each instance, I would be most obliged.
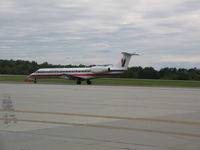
(117, 70)
(73, 71)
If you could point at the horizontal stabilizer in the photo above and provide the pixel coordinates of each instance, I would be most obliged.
(130, 54)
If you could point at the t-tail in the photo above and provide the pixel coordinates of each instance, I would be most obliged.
(124, 62)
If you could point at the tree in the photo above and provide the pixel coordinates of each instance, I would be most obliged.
(27, 67)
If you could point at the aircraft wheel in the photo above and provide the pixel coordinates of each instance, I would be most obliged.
(35, 81)
(78, 82)
(89, 82)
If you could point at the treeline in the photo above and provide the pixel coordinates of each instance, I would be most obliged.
(21, 67)
(164, 73)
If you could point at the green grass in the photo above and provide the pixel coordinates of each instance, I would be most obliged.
(13, 78)
(141, 82)
(110, 81)
(23, 78)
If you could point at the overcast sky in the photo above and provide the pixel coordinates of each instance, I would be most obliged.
(165, 32)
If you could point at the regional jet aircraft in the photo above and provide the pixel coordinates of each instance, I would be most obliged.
(80, 74)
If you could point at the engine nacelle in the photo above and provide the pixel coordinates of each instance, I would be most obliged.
(100, 69)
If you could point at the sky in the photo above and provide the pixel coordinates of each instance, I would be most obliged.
(166, 33)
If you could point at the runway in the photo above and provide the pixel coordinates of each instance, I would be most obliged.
(49, 117)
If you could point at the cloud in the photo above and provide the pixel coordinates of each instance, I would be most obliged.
(179, 59)
(47, 29)
(7, 6)
(100, 46)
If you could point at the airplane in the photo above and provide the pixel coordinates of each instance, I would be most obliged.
(81, 74)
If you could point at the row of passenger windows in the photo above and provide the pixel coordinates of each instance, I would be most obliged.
(62, 71)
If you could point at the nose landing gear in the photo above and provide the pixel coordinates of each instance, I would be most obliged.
(35, 80)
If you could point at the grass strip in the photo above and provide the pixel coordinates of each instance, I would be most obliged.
(108, 81)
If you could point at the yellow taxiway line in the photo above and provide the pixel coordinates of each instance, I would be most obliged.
(107, 117)
(106, 127)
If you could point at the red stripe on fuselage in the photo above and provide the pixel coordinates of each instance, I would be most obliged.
(94, 74)
(75, 75)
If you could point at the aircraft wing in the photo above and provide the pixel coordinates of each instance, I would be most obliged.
(71, 77)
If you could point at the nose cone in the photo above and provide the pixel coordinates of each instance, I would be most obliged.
(30, 76)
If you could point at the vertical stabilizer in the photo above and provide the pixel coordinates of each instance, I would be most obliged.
(124, 62)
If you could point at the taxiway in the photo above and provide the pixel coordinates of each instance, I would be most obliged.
(49, 117)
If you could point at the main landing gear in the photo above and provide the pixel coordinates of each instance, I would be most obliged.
(89, 82)
(78, 82)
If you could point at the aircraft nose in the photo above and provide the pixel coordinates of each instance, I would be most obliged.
(30, 75)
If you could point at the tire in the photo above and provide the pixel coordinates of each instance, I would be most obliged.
(35, 81)
(89, 82)
(78, 82)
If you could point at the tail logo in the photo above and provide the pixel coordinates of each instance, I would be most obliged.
(123, 62)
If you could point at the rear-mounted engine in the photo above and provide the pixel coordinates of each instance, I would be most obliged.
(100, 69)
